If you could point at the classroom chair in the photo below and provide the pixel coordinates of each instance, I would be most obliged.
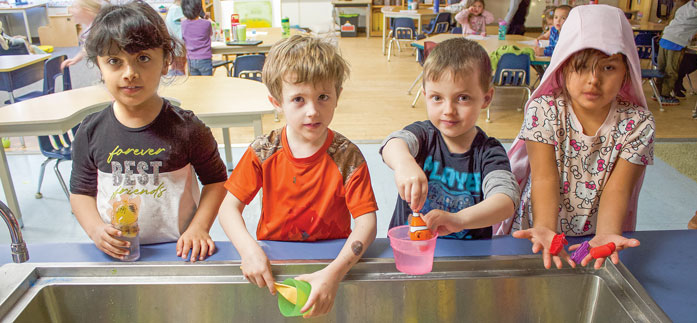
(651, 74)
(56, 147)
(428, 47)
(404, 30)
(438, 25)
(456, 30)
(250, 67)
(512, 71)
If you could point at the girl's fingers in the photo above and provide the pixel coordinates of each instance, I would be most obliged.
(195, 248)
(204, 249)
(547, 260)
(211, 247)
(179, 247)
(599, 263)
(185, 249)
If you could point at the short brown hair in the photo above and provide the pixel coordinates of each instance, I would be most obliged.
(307, 59)
(459, 56)
(583, 61)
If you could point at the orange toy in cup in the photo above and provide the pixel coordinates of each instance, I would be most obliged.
(418, 229)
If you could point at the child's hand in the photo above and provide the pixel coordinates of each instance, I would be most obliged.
(541, 239)
(105, 238)
(483, 34)
(412, 185)
(198, 240)
(539, 51)
(256, 268)
(324, 286)
(603, 239)
(443, 222)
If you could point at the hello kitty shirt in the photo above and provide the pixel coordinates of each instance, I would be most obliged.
(584, 162)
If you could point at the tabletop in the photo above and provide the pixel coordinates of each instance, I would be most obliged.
(268, 36)
(490, 43)
(9, 63)
(350, 2)
(648, 26)
(209, 97)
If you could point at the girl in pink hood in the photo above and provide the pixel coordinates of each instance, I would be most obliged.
(586, 140)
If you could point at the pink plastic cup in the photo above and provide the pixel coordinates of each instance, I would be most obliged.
(410, 256)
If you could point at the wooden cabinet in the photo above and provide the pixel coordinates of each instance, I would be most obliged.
(60, 32)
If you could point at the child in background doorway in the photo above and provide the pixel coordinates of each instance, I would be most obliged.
(197, 33)
(141, 147)
(447, 168)
(588, 137)
(560, 15)
(474, 18)
(83, 12)
(314, 180)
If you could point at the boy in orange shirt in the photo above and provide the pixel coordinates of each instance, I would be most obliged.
(314, 180)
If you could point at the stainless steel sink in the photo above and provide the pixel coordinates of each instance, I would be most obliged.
(476, 289)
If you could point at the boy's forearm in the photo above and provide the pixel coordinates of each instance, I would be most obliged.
(396, 153)
(357, 242)
(233, 224)
(492, 210)
(86, 213)
(211, 197)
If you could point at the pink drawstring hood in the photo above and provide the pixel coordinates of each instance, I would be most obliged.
(600, 27)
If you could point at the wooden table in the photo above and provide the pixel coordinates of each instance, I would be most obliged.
(13, 8)
(648, 26)
(367, 4)
(268, 36)
(218, 102)
(402, 12)
(490, 43)
(17, 71)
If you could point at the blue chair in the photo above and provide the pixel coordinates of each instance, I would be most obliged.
(651, 74)
(404, 30)
(56, 147)
(52, 70)
(456, 30)
(644, 43)
(512, 71)
(249, 67)
(438, 25)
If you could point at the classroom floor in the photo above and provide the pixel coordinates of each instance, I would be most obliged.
(374, 103)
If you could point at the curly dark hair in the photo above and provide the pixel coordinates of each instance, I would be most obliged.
(131, 27)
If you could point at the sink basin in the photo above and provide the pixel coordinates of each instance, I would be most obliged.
(497, 288)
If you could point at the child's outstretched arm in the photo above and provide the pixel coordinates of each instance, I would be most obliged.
(544, 181)
(256, 267)
(196, 236)
(544, 36)
(613, 209)
(411, 180)
(102, 234)
(325, 282)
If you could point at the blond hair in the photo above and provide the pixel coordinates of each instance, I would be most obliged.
(305, 59)
(91, 5)
(460, 57)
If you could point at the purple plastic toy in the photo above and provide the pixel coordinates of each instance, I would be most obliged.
(581, 252)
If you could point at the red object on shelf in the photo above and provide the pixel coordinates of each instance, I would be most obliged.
(558, 243)
(603, 251)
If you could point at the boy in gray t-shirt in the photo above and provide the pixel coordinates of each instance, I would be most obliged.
(447, 168)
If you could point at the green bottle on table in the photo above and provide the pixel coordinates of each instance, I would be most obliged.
(285, 23)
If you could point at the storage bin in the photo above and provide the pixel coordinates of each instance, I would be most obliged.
(348, 24)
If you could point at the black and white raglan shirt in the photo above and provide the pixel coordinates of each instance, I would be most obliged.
(152, 166)
(455, 181)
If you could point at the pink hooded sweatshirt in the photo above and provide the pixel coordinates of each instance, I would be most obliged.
(600, 27)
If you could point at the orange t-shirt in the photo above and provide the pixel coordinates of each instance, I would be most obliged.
(304, 199)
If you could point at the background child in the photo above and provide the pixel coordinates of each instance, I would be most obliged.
(587, 135)
(83, 12)
(141, 146)
(474, 18)
(173, 20)
(197, 33)
(547, 22)
(446, 167)
(676, 36)
(314, 180)
(560, 15)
